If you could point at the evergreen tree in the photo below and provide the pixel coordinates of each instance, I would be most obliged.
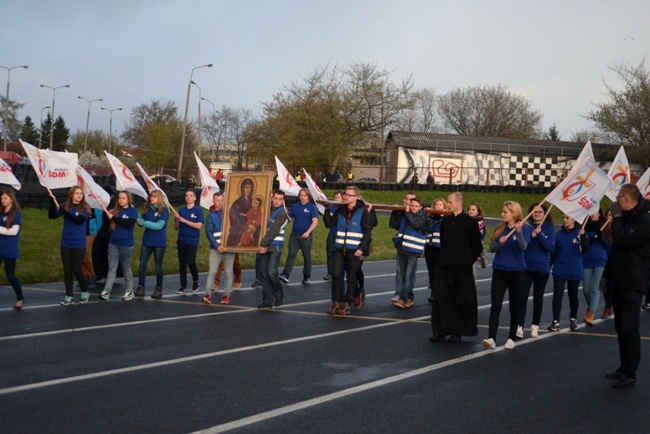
(28, 132)
(553, 133)
(45, 132)
(61, 135)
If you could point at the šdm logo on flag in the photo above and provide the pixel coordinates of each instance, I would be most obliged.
(7, 176)
(54, 169)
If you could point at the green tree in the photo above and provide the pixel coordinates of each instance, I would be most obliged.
(625, 117)
(97, 141)
(553, 133)
(61, 135)
(45, 132)
(489, 111)
(159, 142)
(28, 132)
(13, 127)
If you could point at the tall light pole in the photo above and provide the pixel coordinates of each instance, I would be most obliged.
(53, 100)
(88, 116)
(7, 104)
(110, 128)
(200, 135)
(213, 116)
(40, 127)
(187, 106)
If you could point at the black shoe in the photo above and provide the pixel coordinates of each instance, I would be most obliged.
(306, 281)
(264, 306)
(278, 302)
(195, 286)
(157, 292)
(624, 381)
(614, 375)
(437, 338)
(454, 338)
(645, 306)
(140, 291)
(431, 299)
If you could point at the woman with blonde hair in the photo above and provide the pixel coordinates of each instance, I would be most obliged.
(120, 246)
(11, 219)
(509, 242)
(75, 212)
(154, 240)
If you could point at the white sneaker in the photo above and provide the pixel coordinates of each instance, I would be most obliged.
(395, 299)
(489, 343)
(534, 331)
(520, 332)
(510, 344)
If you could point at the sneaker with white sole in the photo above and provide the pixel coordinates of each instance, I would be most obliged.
(104, 296)
(67, 301)
(510, 344)
(83, 299)
(554, 327)
(284, 278)
(128, 295)
(207, 299)
(573, 324)
(534, 331)
(489, 343)
(520, 332)
(195, 286)
(225, 300)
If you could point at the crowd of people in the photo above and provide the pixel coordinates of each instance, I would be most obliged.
(608, 253)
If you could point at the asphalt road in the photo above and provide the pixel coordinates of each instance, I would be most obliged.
(176, 365)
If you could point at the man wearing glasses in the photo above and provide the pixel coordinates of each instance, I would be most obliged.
(627, 275)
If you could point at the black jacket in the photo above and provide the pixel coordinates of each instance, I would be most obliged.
(460, 243)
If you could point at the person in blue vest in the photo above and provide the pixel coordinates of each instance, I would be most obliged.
(509, 242)
(154, 240)
(11, 219)
(353, 235)
(305, 219)
(75, 212)
(593, 261)
(188, 222)
(213, 228)
(432, 247)
(410, 240)
(123, 219)
(538, 266)
(331, 236)
(394, 221)
(268, 254)
(570, 244)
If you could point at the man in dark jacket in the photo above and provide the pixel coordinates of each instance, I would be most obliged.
(627, 276)
(455, 311)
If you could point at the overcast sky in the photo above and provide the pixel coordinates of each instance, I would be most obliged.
(555, 53)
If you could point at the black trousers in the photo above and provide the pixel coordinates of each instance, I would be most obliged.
(73, 260)
(627, 304)
(344, 262)
(513, 281)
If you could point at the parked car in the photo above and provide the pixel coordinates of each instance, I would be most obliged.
(370, 179)
(159, 179)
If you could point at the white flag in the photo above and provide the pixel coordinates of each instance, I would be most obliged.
(124, 179)
(315, 191)
(93, 192)
(619, 172)
(287, 182)
(7, 175)
(579, 195)
(54, 169)
(210, 186)
(152, 186)
(644, 184)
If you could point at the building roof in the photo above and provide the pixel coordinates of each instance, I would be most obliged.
(492, 145)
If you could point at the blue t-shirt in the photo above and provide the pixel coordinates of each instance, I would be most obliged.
(155, 232)
(302, 216)
(187, 234)
(122, 236)
(74, 234)
(9, 243)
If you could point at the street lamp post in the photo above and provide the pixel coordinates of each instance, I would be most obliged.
(187, 106)
(7, 104)
(40, 126)
(53, 100)
(88, 117)
(199, 123)
(110, 128)
(213, 116)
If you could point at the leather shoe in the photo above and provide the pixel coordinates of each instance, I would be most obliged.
(454, 338)
(437, 338)
(614, 375)
(264, 306)
(624, 381)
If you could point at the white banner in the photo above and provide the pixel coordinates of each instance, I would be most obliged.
(152, 186)
(210, 186)
(644, 184)
(93, 192)
(315, 191)
(124, 179)
(619, 172)
(54, 169)
(287, 182)
(7, 175)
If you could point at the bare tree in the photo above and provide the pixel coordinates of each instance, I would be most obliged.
(421, 117)
(489, 111)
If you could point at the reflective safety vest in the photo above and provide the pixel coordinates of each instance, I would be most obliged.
(433, 233)
(349, 233)
(412, 240)
(279, 238)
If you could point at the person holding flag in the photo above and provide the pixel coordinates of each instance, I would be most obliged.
(121, 244)
(11, 219)
(75, 212)
(154, 240)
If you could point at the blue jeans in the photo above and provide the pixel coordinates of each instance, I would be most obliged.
(228, 259)
(558, 294)
(271, 285)
(399, 281)
(407, 266)
(304, 245)
(158, 256)
(119, 255)
(536, 279)
(590, 286)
